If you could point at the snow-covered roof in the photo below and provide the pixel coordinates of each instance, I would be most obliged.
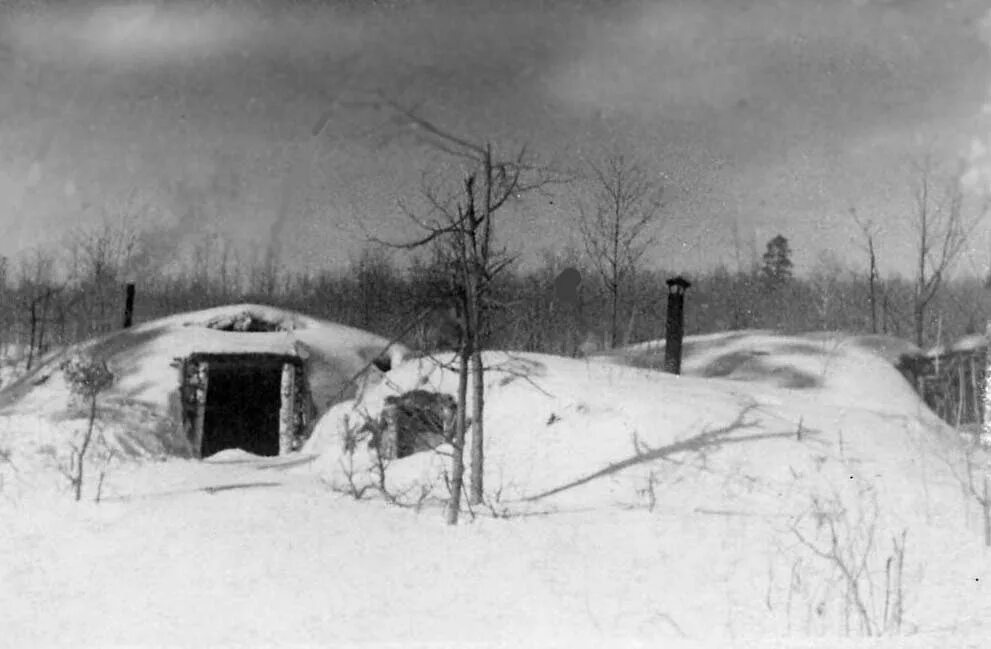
(143, 358)
(577, 432)
(968, 343)
(816, 361)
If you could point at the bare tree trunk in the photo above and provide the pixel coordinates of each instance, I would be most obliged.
(919, 321)
(614, 316)
(77, 481)
(34, 326)
(46, 298)
(475, 334)
(873, 283)
(458, 461)
(476, 490)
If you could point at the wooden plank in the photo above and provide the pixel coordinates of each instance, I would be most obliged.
(975, 402)
(187, 401)
(202, 386)
(287, 409)
(961, 393)
(388, 442)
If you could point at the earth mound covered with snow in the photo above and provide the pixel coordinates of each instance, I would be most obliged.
(783, 492)
(783, 447)
(834, 365)
(139, 413)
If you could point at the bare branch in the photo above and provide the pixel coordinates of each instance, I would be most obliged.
(943, 224)
(444, 140)
(625, 203)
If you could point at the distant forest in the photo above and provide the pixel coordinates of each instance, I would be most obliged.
(50, 298)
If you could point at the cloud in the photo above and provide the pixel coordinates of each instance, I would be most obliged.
(126, 33)
(751, 78)
(978, 175)
(759, 109)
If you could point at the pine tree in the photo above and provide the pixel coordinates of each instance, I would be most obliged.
(776, 270)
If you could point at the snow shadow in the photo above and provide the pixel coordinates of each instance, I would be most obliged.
(210, 489)
(516, 368)
(749, 364)
(105, 347)
(235, 487)
(738, 364)
(708, 439)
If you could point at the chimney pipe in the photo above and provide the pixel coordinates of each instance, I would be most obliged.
(128, 305)
(675, 330)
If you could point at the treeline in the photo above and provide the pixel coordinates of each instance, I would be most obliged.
(48, 300)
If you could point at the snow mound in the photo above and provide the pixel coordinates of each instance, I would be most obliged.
(140, 411)
(733, 438)
(571, 432)
(622, 507)
(847, 370)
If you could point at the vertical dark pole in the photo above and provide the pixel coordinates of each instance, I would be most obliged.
(128, 305)
(675, 324)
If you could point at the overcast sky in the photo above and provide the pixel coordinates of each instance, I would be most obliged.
(758, 116)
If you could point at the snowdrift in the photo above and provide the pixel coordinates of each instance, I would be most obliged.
(623, 507)
(782, 439)
(140, 412)
(848, 369)
(576, 432)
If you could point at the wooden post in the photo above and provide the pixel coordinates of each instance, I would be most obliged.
(388, 442)
(202, 386)
(287, 410)
(187, 398)
(128, 305)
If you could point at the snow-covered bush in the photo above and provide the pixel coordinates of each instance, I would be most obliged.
(87, 377)
(360, 467)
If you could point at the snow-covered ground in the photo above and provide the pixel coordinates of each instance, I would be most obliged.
(626, 507)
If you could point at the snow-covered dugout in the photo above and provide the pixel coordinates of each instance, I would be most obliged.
(951, 379)
(243, 376)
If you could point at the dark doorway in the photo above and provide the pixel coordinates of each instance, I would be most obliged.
(242, 407)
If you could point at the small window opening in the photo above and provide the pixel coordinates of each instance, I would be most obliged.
(415, 421)
(246, 323)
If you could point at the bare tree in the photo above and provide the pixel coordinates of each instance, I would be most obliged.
(943, 222)
(625, 203)
(37, 287)
(87, 377)
(869, 230)
(99, 259)
(461, 225)
(825, 281)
